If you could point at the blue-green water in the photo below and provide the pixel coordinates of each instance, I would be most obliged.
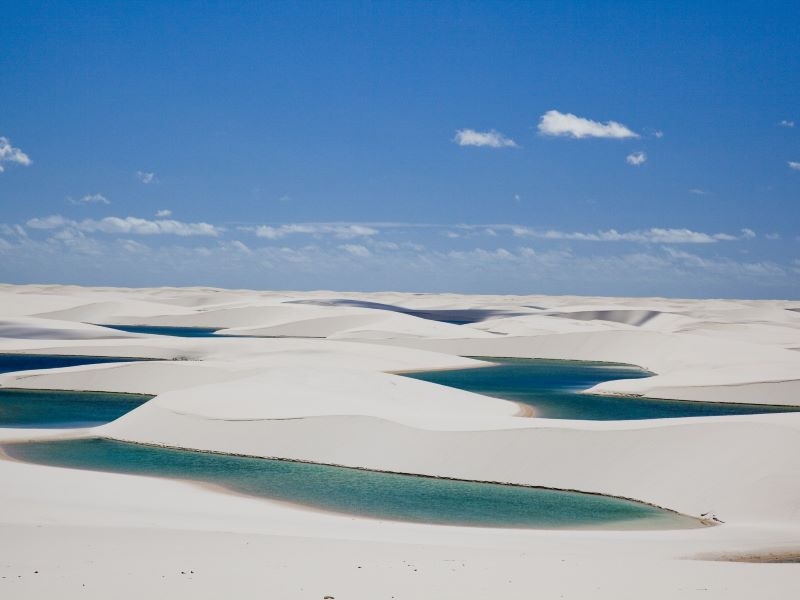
(552, 388)
(165, 330)
(358, 492)
(61, 408)
(27, 362)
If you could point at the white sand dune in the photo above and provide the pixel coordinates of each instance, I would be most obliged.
(273, 394)
(354, 323)
(331, 397)
(113, 312)
(46, 329)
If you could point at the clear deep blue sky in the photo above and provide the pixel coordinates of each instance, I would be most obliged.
(316, 145)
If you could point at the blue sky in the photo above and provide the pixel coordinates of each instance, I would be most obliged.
(618, 148)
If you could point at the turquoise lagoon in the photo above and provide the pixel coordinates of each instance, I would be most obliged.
(552, 388)
(166, 330)
(60, 408)
(358, 492)
(63, 408)
(28, 362)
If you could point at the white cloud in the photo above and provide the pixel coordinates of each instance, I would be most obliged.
(76, 241)
(491, 139)
(240, 246)
(462, 230)
(658, 134)
(127, 225)
(91, 199)
(636, 158)
(356, 250)
(147, 227)
(146, 177)
(51, 222)
(773, 236)
(795, 166)
(557, 123)
(652, 235)
(275, 233)
(482, 255)
(748, 234)
(342, 231)
(10, 154)
(162, 214)
(346, 232)
(698, 191)
(499, 266)
(786, 123)
(387, 245)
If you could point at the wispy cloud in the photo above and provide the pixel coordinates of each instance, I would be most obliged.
(356, 250)
(240, 246)
(490, 139)
(636, 158)
(164, 213)
(51, 222)
(727, 266)
(10, 154)
(794, 165)
(133, 247)
(698, 192)
(126, 225)
(482, 255)
(13, 230)
(90, 199)
(496, 265)
(555, 123)
(648, 236)
(146, 177)
(367, 230)
(786, 123)
(342, 231)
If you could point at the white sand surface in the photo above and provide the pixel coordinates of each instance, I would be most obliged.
(328, 400)
(43, 329)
